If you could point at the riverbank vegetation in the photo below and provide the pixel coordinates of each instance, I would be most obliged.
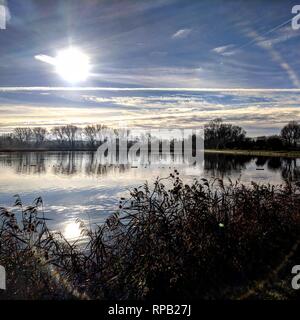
(218, 136)
(206, 239)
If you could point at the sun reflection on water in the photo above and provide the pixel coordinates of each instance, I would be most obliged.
(72, 231)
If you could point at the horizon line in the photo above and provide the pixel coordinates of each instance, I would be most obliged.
(35, 88)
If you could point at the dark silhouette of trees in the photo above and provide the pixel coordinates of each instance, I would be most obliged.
(66, 135)
(274, 143)
(6, 139)
(90, 133)
(70, 132)
(268, 143)
(39, 135)
(58, 134)
(218, 135)
(23, 135)
(291, 133)
(223, 135)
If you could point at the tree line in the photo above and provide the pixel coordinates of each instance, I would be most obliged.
(218, 135)
(67, 136)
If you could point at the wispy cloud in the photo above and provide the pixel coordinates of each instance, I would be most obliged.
(137, 43)
(282, 35)
(181, 33)
(224, 50)
(276, 57)
(277, 35)
(257, 111)
(163, 89)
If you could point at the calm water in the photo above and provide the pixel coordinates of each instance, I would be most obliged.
(73, 185)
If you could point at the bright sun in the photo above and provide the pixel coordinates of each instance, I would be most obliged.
(72, 65)
(72, 230)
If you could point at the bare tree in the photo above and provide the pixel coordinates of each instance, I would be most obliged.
(291, 133)
(18, 134)
(39, 135)
(91, 134)
(70, 132)
(23, 135)
(101, 132)
(6, 139)
(220, 135)
(58, 133)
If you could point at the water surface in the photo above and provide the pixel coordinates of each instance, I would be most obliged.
(74, 185)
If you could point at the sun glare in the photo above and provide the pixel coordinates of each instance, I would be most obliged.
(72, 65)
(72, 230)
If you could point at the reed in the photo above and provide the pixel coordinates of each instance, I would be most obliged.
(206, 239)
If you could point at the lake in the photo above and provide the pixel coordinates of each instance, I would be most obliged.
(73, 185)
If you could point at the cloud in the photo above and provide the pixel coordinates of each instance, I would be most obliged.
(281, 36)
(273, 37)
(224, 50)
(163, 89)
(45, 58)
(255, 110)
(276, 57)
(181, 33)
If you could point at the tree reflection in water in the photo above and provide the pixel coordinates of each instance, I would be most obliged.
(86, 163)
(223, 165)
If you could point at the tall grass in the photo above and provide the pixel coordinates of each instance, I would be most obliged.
(199, 240)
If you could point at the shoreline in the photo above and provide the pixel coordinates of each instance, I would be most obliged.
(259, 153)
(45, 150)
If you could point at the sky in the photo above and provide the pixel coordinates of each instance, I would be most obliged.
(161, 63)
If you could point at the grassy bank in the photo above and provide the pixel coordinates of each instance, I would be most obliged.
(204, 240)
(264, 153)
